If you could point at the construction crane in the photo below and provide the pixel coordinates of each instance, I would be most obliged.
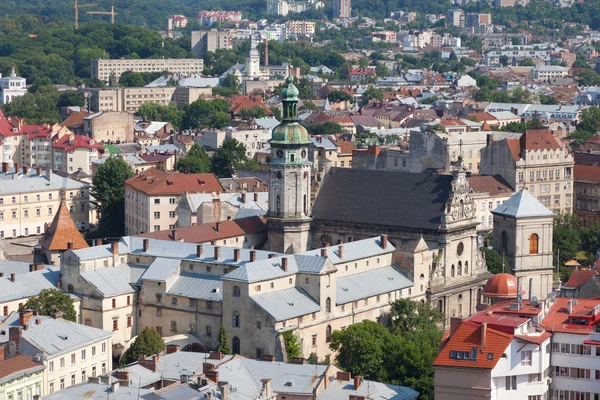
(112, 13)
(76, 7)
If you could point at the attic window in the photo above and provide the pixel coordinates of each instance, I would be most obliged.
(490, 356)
(288, 384)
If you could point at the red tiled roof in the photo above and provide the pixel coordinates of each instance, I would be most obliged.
(515, 148)
(157, 182)
(538, 139)
(17, 365)
(204, 233)
(468, 336)
(245, 101)
(587, 173)
(160, 157)
(71, 142)
(537, 339)
(75, 120)
(62, 231)
(8, 126)
(502, 323)
(452, 122)
(494, 185)
(345, 146)
(580, 276)
(559, 320)
(481, 117)
(503, 308)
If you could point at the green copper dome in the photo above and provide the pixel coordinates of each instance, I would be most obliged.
(290, 92)
(290, 133)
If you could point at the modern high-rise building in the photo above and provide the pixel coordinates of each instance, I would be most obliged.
(342, 8)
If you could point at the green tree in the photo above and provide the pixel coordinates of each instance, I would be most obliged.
(493, 260)
(371, 93)
(407, 315)
(207, 114)
(50, 301)
(361, 349)
(326, 128)
(108, 190)
(589, 124)
(566, 236)
(70, 98)
(336, 96)
(232, 82)
(292, 346)
(251, 113)
(196, 161)
(131, 79)
(229, 158)
(483, 94)
(223, 341)
(148, 342)
(528, 62)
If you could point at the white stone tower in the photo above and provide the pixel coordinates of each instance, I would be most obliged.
(289, 180)
(523, 236)
(253, 60)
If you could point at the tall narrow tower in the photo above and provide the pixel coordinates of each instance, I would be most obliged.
(342, 8)
(289, 180)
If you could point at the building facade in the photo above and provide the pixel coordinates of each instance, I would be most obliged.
(342, 8)
(72, 153)
(12, 86)
(108, 127)
(105, 70)
(203, 41)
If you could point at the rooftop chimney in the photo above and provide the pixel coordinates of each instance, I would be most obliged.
(284, 264)
(224, 389)
(58, 315)
(341, 251)
(252, 255)
(324, 252)
(17, 168)
(25, 316)
(38, 171)
(13, 277)
(4, 167)
(236, 255)
(215, 355)
(255, 196)
(217, 227)
(173, 234)
(244, 198)
(38, 321)
(266, 391)
(454, 324)
(357, 382)
(198, 250)
(483, 333)
(25, 170)
(146, 244)
(343, 376)
(98, 242)
(212, 375)
(70, 245)
(569, 303)
(217, 252)
(114, 248)
(384, 241)
(488, 140)
(172, 348)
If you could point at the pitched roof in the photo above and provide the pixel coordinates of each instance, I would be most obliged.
(558, 318)
(539, 139)
(71, 142)
(580, 277)
(287, 303)
(412, 200)
(17, 366)
(75, 120)
(467, 340)
(587, 173)
(494, 185)
(522, 205)
(208, 232)
(515, 148)
(156, 182)
(62, 231)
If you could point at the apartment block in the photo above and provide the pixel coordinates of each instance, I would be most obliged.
(129, 99)
(203, 41)
(72, 153)
(104, 69)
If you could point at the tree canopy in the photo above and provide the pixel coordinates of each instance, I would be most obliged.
(148, 342)
(230, 157)
(203, 114)
(50, 301)
(223, 341)
(196, 161)
(108, 189)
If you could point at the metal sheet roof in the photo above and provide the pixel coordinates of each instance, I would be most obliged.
(33, 184)
(263, 270)
(522, 205)
(368, 389)
(98, 391)
(197, 286)
(8, 267)
(113, 281)
(287, 303)
(354, 250)
(161, 269)
(370, 283)
(28, 285)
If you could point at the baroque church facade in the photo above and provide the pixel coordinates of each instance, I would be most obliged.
(430, 219)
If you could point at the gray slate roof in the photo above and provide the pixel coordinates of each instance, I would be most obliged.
(287, 303)
(197, 286)
(114, 281)
(29, 284)
(8, 267)
(354, 250)
(388, 198)
(522, 205)
(370, 283)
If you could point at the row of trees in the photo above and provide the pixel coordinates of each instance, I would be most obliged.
(229, 158)
(201, 114)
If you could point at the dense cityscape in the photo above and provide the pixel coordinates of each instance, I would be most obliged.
(300, 199)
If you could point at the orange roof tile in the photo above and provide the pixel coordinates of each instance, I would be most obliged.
(62, 231)
(587, 173)
(157, 182)
(538, 139)
(537, 339)
(345, 146)
(481, 117)
(579, 277)
(204, 233)
(71, 142)
(468, 336)
(17, 365)
(515, 148)
(558, 318)
(494, 185)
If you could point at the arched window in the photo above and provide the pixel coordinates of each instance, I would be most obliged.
(504, 248)
(466, 267)
(235, 320)
(459, 268)
(452, 271)
(235, 345)
(328, 305)
(236, 291)
(328, 334)
(422, 276)
(441, 305)
(70, 288)
(533, 244)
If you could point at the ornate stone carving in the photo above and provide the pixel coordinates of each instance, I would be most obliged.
(460, 205)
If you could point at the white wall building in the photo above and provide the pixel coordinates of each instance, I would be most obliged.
(12, 86)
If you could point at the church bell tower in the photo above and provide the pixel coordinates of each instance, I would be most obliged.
(289, 180)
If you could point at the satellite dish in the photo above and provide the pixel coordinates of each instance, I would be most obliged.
(534, 298)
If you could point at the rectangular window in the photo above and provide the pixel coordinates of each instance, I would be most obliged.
(93, 351)
(158, 298)
(115, 324)
(83, 355)
(83, 375)
(174, 301)
(173, 326)
(156, 201)
(51, 366)
(114, 303)
(129, 321)
(73, 358)
(156, 214)
(208, 330)
(511, 382)
(526, 357)
(172, 214)
(192, 302)
(51, 387)
(103, 348)
(62, 362)
(62, 383)
(314, 340)
(73, 383)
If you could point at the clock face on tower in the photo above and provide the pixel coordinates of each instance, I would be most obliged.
(279, 153)
(303, 153)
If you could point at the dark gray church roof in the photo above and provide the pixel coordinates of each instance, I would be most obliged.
(401, 199)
